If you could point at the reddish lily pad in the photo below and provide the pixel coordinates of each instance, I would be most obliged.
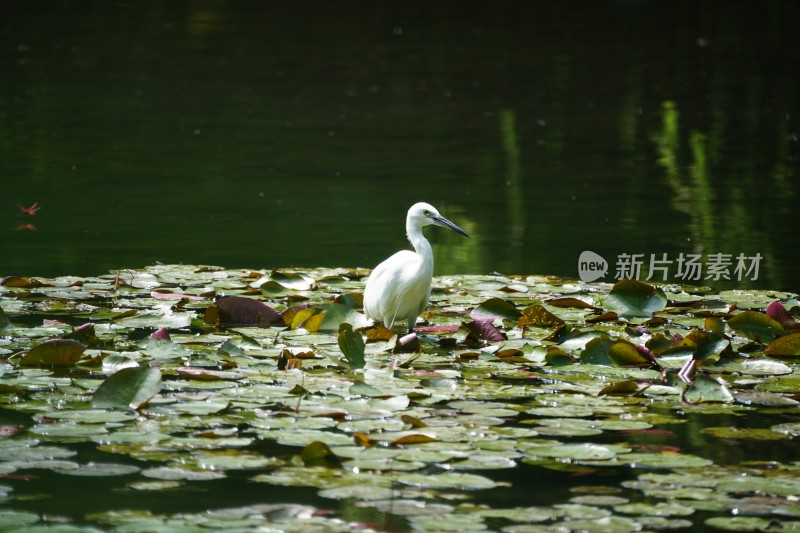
(238, 311)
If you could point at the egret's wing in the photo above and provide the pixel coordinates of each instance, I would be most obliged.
(383, 295)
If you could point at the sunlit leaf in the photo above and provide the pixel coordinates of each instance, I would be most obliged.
(555, 356)
(292, 280)
(707, 389)
(337, 314)
(756, 326)
(634, 298)
(56, 352)
(620, 388)
(129, 387)
(625, 353)
(416, 438)
(537, 316)
(209, 374)
(786, 346)
(319, 454)
(570, 302)
(496, 308)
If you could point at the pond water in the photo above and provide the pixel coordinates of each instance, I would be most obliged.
(258, 135)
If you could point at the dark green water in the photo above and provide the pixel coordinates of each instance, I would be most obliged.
(263, 134)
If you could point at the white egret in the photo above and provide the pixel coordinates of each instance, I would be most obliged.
(400, 287)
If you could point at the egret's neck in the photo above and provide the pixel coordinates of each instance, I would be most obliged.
(421, 246)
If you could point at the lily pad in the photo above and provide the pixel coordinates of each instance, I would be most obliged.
(786, 346)
(129, 387)
(238, 311)
(352, 345)
(756, 326)
(57, 352)
(634, 298)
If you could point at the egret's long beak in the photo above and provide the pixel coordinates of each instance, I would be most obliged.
(441, 221)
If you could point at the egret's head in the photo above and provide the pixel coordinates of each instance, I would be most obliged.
(423, 214)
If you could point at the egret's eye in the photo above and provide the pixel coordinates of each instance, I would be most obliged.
(426, 213)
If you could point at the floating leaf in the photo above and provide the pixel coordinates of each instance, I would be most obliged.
(786, 346)
(336, 314)
(319, 454)
(5, 323)
(620, 388)
(291, 280)
(496, 308)
(537, 316)
(556, 356)
(416, 438)
(296, 316)
(352, 346)
(129, 387)
(482, 329)
(596, 352)
(584, 451)
(209, 374)
(238, 311)
(56, 352)
(625, 353)
(707, 389)
(702, 346)
(570, 302)
(630, 297)
(450, 480)
(739, 523)
(756, 326)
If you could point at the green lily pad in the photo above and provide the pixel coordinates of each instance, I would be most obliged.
(129, 387)
(13, 519)
(756, 326)
(665, 460)
(635, 299)
(576, 452)
(738, 523)
(352, 345)
(459, 481)
(182, 474)
(497, 308)
(100, 470)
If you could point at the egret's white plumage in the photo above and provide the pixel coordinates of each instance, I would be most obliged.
(400, 287)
